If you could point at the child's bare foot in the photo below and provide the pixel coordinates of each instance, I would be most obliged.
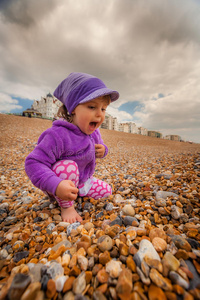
(70, 215)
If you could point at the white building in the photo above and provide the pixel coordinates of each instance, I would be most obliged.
(115, 124)
(124, 127)
(129, 127)
(173, 137)
(48, 106)
(133, 128)
(110, 123)
(143, 131)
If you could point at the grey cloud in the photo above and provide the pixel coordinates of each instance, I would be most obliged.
(25, 13)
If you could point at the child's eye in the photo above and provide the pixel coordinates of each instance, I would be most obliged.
(91, 107)
(103, 109)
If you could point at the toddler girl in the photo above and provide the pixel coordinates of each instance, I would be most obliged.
(63, 162)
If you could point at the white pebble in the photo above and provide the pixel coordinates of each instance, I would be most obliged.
(83, 262)
(113, 267)
(65, 260)
(60, 281)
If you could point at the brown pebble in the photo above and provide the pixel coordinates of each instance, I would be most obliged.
(75, 271)
(157, 232)
(83, 244)
(123, 249)
(170, 295)
(197, 266)
(105, 243)
(58, 253)
(31, 291)
(159, 244)
(156, 293)
(51, 288)
(96, 269)
(88, 276)
(102, 288)
(68, 284)
(102, 276)
(104, 257)
(131, 264)
(178, 289)
(124, 283)
(182, 254)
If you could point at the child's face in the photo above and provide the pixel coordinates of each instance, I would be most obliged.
(90, 115)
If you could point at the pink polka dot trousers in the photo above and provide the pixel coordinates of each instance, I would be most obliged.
(93, 187)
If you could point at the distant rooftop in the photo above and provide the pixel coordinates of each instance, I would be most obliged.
(49, 95)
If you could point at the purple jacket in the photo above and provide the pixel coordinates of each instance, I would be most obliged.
(62, 141)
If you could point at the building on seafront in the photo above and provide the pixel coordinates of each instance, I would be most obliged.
(142, 131)
(173, 137)
(156, 134)
(111, 123)
(48, 106)
(31, 112)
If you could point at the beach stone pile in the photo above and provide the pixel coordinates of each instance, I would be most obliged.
(143, 242)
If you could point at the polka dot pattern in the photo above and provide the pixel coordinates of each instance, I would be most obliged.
(99, 189)
(68, 170)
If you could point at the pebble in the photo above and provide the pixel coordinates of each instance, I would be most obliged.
(159, 280)
(159, 244)
(177, 279)
(51, 288)
(170, 263)
(60, 281)
(104, 243)
(146, 249)
(83, 262)
(55, 270)
(18, 286)
(31, 291)
(128, 210)
(20, 255)
(114, 268)
(124, 283)
(79, 284)
(142, 242)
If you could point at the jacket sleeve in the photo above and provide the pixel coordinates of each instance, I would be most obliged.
(39, 162)
(98, 140)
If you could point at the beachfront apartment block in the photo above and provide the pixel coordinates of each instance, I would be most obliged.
(48, 106)
(156, 134)
(124, 127)
(129, 127)
(111, 123)
(173, 137)
(108, 122)
(142, 131)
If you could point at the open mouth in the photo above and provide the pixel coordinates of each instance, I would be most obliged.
(93, 125)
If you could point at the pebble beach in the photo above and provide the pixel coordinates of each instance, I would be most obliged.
(141, 243)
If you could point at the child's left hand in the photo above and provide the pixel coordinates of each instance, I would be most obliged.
(99, 150)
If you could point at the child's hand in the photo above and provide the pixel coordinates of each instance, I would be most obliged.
(99, 150)
(66, 190)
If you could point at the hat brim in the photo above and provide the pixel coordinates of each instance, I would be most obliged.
(114, 95)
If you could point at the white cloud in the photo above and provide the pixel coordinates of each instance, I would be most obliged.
(7, 103)
(172, 111)
(120, 115)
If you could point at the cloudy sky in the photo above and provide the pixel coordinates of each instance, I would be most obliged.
(147, 50)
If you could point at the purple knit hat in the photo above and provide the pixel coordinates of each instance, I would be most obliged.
(80, 88)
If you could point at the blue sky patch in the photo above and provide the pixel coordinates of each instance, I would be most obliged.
(131, 107)
(25, 103)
